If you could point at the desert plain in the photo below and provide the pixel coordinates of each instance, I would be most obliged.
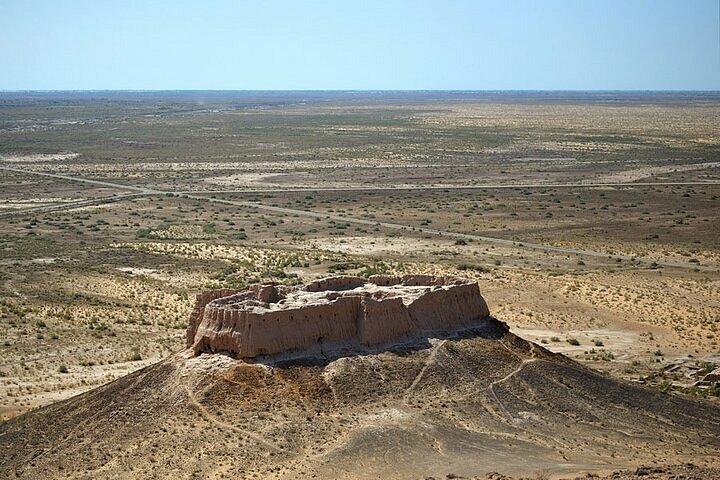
(589, 220)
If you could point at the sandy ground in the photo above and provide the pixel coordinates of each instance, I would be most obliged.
(96, 285)
(653, 172)
(39, 157)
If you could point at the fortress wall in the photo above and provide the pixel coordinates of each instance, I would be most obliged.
(217, 318)
(456, 306)
(267, 293)
(335, 283)
(196, 316)
(413, 280)
(238, 296)
(251, 334)
(302, 328)
(384, 321)
(385, 280)
(249, 323)
(425, 280)
(472, 304)
(221, 329)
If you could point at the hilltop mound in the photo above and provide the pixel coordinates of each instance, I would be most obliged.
(467, 401)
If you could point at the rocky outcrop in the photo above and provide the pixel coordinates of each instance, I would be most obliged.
(335, 311)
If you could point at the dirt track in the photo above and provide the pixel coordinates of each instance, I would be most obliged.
(387, 225)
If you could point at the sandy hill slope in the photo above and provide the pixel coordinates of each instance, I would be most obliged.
(484, 401)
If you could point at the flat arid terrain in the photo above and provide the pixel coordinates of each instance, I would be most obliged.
(589, 220)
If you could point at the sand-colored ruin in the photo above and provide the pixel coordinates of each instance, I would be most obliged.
(336, 311)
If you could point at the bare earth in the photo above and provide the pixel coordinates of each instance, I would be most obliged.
(590, 223)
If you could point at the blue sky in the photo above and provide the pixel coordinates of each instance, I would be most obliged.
(367, 45)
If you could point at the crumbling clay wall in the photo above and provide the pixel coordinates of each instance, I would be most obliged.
(383, 321)
(201, 300)
(249, 334)
(268, 320)
(335, 283)
(459, 306)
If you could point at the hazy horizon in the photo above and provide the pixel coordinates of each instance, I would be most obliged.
(352, 90)
(321, 45)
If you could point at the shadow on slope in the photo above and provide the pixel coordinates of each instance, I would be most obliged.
(463, 403)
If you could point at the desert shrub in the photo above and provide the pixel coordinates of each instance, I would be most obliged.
(143, 233)
(379, 268)
(473, 267)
